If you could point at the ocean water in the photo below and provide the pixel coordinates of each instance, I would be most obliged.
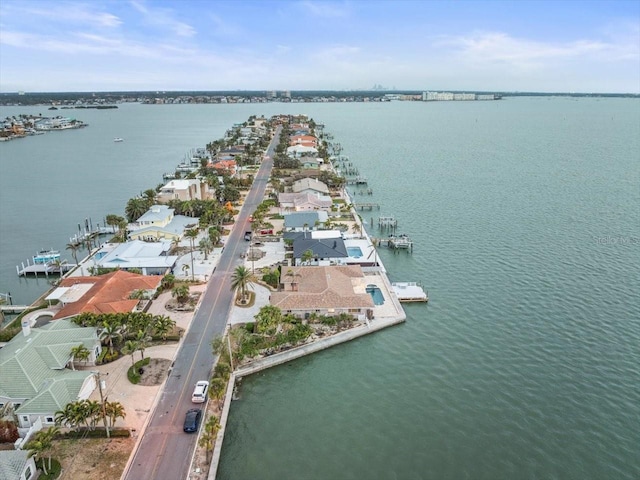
(525, 217)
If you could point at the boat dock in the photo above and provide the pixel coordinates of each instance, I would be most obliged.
(366, 206)
(13, 308)
(410, 292)
(396, 242)
(46, 269)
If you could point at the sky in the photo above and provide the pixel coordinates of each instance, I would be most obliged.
(422, 45)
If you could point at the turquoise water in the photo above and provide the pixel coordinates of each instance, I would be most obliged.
(354, 252)
(525, 219)
(376, 294)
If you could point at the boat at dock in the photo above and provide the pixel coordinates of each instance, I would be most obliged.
(46, 256)
(409, 292)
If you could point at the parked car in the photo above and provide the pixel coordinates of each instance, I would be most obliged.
(247, 236)
(200, 392)
(192, 420)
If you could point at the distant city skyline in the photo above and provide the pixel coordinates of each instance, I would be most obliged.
(173, 45)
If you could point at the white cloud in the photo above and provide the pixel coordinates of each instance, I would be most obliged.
(501, 48)
(325, 9)
(76, 13)
(163, 18)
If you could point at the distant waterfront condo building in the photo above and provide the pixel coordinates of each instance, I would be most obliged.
(450, 96)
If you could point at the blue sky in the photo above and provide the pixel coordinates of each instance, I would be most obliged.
(101, 45)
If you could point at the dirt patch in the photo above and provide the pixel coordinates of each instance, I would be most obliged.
(155, 372)
(98, 459)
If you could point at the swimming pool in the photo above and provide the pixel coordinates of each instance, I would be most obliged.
(376, 294)
(355, 252)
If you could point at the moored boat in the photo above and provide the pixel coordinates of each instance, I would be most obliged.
(46, 256)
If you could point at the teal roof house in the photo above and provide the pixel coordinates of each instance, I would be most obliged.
(34, 375)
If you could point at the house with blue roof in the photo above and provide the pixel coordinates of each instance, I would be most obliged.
(303, 221)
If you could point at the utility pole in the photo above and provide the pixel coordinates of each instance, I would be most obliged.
(102, 400)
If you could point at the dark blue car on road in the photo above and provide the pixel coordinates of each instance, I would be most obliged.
(192, 420)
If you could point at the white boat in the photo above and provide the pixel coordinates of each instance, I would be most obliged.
(45, 256)
(118, 139)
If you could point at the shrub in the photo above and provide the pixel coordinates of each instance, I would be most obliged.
(132, 373)
(8, 431)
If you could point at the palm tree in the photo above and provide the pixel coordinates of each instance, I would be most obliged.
(93, 412)
(143, 340)
(130, 348)
(163, 325)
(242, 279)
(79, 352)
(37, 448)
(214, 235)
(113, 411)
(191, 234)
(217, 389)
(208, 436)
(181, 293)
(110, 331)
(74, 251)
(135, 208)
(186, 268)
(206, 246)
(307, 255)
(149, 196)
(168, 281)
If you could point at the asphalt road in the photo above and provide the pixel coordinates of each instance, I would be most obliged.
(164, 452)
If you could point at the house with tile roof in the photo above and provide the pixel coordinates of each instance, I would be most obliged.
(98, 294)
(225, 165)
(17, 465)
(34, 374)
(325, 291)
(304, 140)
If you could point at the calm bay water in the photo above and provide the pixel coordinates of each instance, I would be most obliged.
(525, 218)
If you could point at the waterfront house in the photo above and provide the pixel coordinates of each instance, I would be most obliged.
(185, 189)
(298, 151)
(34, 374)
(173, 231)
(303, 221)
(109, 293)
(150, 258)
(17, 465)
(327, 290)
(308, 162)
(229, 166)
(304, 140)
(157, 216)
(326, 247)
(310, 185)
(303, 202)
